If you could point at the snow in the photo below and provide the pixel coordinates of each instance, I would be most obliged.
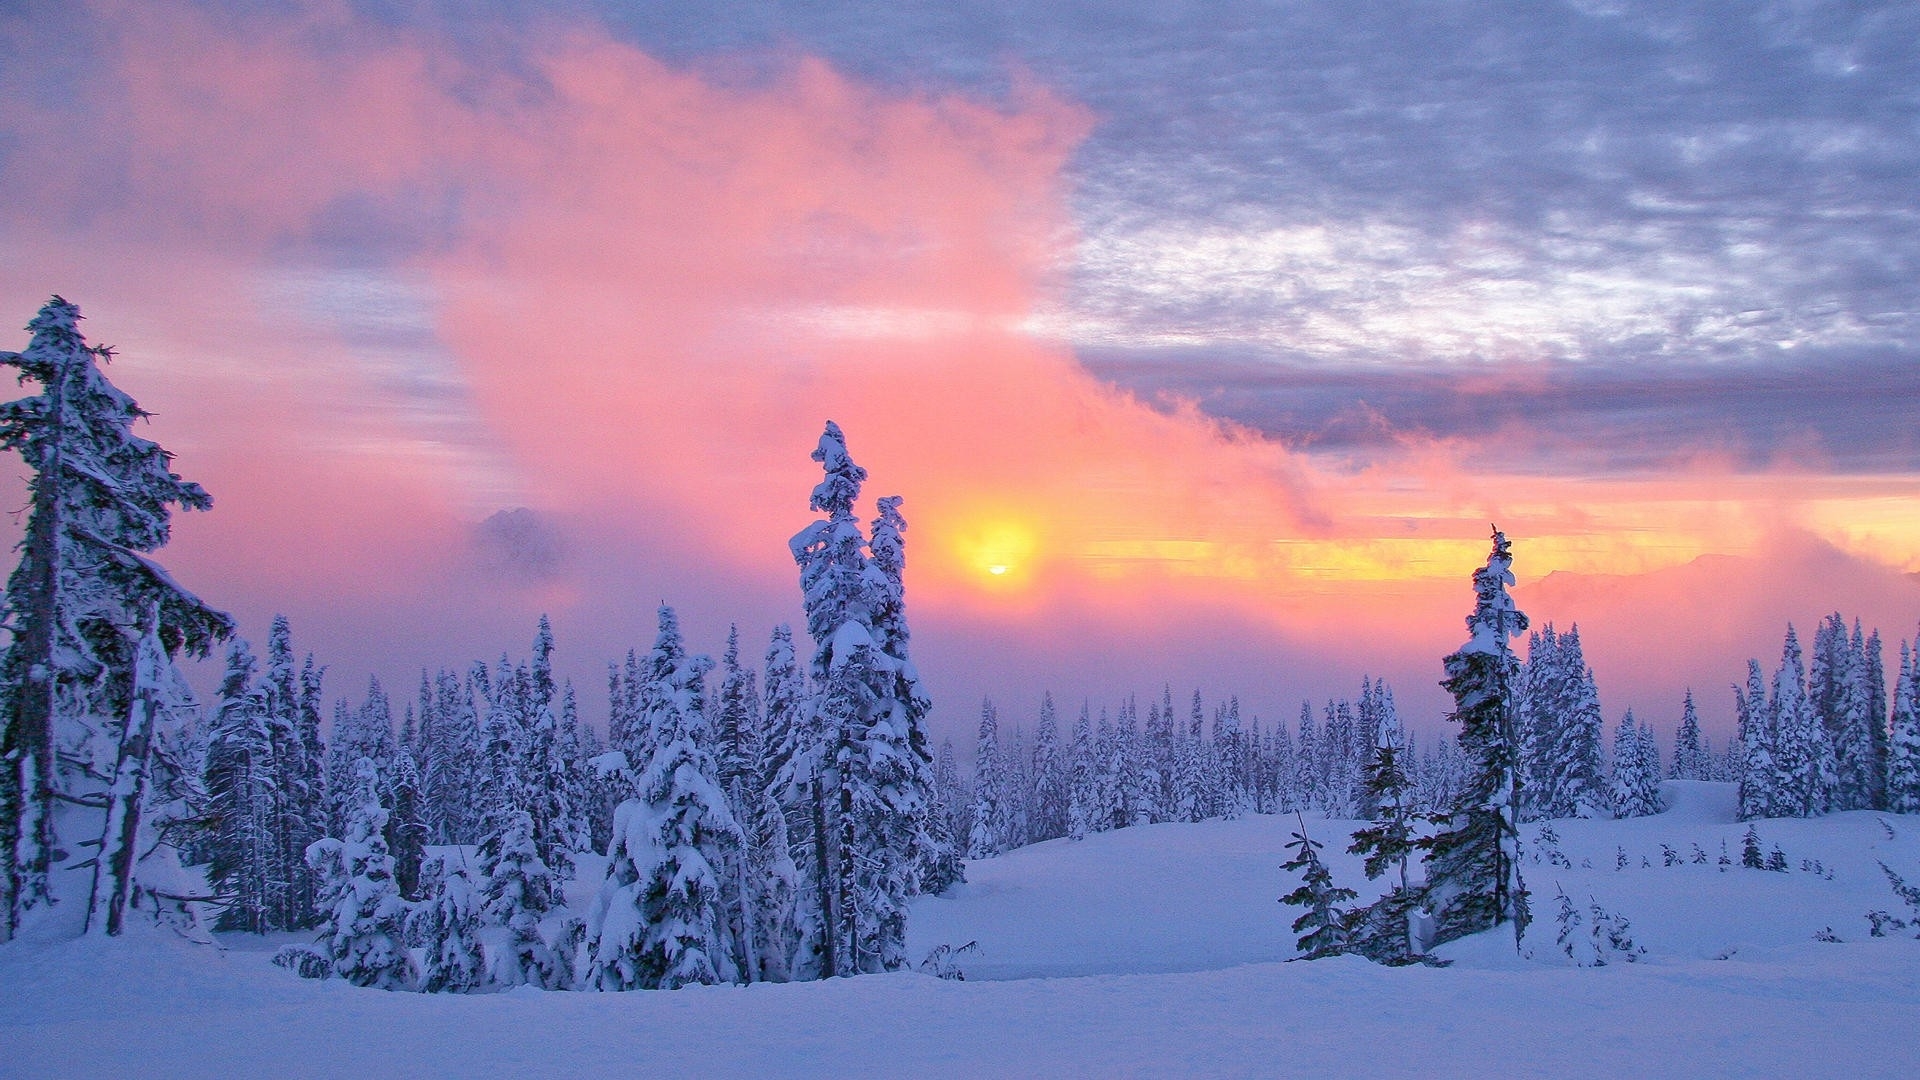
(1154, 950)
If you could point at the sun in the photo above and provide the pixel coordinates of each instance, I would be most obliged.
(998, 549)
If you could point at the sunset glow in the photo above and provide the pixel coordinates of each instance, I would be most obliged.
(623, 286)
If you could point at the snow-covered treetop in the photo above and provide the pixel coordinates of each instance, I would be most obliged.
(835, 494)
(1494, 618)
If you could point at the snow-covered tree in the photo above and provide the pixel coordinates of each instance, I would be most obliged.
(1324, 927)
(145, 798)
(1903, 749)
(1636, 770)
(365, 927)
(1691, 759)
(661, 919)
(365, 732)
(1803, 752)
(1561, 725)
(1473, 861)
(1049, 797)
(244, 803)
(1759, 795)
(406, 833)
(868, 707)
(991, 813)
(82, 596)
(447, 925)
(1083, 794)
(520, 895)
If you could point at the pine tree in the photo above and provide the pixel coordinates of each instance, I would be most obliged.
(520, 893)
(83, 594)
(1473, 863)
(661, 919)
(1757, 745)
(1636, 770)
(1082, 785)
(1903, 750)
(1691, 761)
(300, 818)
(365, 926)
(1049, 797)
(244, 800)
(869, 707)
(1323, 927)
(447, 925)
(989, 796)
(406, 833)
(1561, 720)
(148, 794)
(1803, 758)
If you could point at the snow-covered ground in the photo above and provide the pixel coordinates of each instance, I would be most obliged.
(1147, 952)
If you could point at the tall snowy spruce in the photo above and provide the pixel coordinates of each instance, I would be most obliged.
(244, 802)
(1561, 730)
(1759, 796)
(1473, 862)
(80, 601)
(867, 705)
(662, 916)
(1903, 745)
(1691, 761)
(1380, 930)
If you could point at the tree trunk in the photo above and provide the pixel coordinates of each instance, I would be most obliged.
(26, 802)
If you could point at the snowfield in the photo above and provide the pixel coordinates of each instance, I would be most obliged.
(1153, 951)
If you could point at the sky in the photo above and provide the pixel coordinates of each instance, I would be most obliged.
(1205, 343)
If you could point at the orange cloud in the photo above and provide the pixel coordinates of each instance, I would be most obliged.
(635, 293)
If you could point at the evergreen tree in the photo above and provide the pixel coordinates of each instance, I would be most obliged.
(1756, 743)
(365, 926)
(989, 795)
(1903, 749)
(447, 925)
(300, 818)
(661, 919)
(1049, 797)
(1324, 928)
(83, 594)
(406, 833)
(1691, 760)
(1473, 861)
(148, 796)
(366, 732)
(869, 707)
(521, 894)
(1636, 770)
(1083, 794)
(1803, 756)
(244, 801)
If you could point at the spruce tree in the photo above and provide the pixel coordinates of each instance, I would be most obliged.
(1759, 795)
(1473, 861)
(1903, 749)
(83, 594)
(244, 801)
(1324, 927)
(1803, 758)
(661, 919)
(447, 925)
(1691, 761)
(989, 795)
(869, 708)
(1049, 797)
(365, 927)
